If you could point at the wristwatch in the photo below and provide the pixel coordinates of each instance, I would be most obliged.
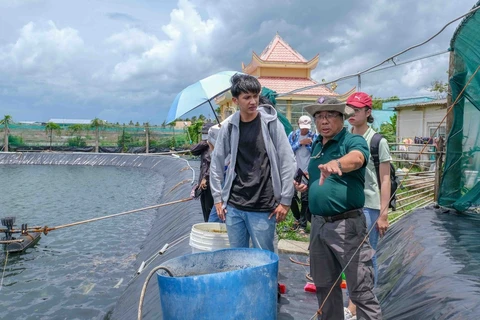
(339, 164)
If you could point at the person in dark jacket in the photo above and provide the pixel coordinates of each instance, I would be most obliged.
(202, 149)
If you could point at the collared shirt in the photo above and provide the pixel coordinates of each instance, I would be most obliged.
(302, 152)
(338, 194)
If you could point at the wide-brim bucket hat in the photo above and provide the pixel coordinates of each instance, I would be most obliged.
(330, 104)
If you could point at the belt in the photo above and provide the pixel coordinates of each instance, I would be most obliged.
(342, 216)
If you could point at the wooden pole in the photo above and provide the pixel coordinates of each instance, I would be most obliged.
(438, 167)
(5, 144)
(451, 69)
(147, 138)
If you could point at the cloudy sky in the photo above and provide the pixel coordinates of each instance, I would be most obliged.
(123, 60)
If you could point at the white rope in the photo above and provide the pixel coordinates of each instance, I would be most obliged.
(150, 260)
(113, 215)
(188, 164)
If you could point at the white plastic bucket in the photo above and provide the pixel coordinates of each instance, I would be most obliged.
(208, 236)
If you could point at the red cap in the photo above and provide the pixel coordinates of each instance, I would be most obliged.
(360, 100)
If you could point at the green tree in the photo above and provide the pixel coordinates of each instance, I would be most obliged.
(440, 89)
(15, 141)
(202, 117)
(77, 140)
(389, 130)
(98, 125)
(6, 121)
(76, 129)
(173, 143)
(194, 130)
(50, 129)
(377, 102)
(130, 123)
(164, 124)
(124, 139)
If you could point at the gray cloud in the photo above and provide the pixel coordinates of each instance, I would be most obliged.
(123, 67)
(121, 17)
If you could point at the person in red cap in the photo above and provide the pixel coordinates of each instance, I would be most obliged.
(377, 186)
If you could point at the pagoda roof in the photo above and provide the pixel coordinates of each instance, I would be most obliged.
(280, 51)
(285, 85)
(279, 54)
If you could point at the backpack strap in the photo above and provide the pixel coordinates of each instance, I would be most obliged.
(374, 147)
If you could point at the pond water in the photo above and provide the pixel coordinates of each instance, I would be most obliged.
(77, 272)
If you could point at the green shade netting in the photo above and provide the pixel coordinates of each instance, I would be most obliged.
(270, 95)
(460, 187)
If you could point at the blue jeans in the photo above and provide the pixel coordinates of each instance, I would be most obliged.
(214, 216)
(243, 225)
(371, 216)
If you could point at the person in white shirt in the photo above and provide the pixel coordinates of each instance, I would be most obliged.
(301, 142)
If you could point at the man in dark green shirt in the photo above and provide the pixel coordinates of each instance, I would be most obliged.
(336, 198)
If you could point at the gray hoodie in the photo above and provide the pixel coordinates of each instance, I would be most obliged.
(280, 154)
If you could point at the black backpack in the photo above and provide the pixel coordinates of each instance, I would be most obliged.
(374, 146)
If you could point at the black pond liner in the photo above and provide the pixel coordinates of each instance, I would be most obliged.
(429, 261)
(429, 265)
(172, 222)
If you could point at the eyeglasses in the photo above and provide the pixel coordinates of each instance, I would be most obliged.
(327, 116)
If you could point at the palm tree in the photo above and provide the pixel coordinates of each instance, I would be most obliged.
(97, 124)
(76, 129)
(50, 128)
(7, 119)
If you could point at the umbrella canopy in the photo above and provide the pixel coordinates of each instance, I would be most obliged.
(199, 93)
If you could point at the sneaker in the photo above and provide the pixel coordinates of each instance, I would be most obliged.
(295, 226)
(348, 315)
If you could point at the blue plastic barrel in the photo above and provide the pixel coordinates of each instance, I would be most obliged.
(223, 284)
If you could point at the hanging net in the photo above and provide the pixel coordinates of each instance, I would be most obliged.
(460, 187)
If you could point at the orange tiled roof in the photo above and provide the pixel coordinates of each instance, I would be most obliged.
(280, 51)
(284, 85)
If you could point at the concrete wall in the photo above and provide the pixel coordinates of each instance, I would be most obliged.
(416, 121)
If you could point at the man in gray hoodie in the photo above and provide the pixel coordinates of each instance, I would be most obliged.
(258, 187)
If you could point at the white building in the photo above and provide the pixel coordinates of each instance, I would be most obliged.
(421, 119)
(70, 121)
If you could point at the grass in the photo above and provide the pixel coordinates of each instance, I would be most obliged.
(284, 230)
